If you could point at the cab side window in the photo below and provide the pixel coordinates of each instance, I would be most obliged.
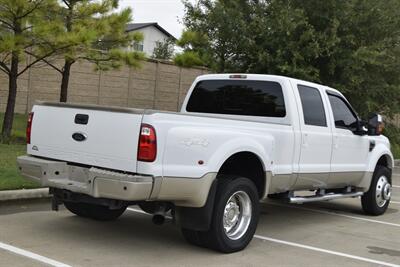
(342, 113)
(313, 107)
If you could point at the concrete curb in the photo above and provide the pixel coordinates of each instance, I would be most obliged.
(397, 162)
(24, 194)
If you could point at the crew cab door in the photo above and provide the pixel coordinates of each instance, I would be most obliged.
(350, 151)
(316, 137)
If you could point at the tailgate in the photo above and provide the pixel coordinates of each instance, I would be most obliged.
(89, 135)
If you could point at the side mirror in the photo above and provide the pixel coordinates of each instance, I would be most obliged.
(360, 128)
(375, 125)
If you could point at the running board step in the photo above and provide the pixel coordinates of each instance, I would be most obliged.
(301, 200)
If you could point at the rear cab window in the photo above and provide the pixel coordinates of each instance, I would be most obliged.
(238, 97)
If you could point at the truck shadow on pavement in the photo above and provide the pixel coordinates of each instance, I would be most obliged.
(390, 252)
(350, 208)
(341, 209)
(131, 232)
(133, 238)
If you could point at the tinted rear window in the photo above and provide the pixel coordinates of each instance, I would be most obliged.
(237, 97)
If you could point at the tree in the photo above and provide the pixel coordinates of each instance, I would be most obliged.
(93, 33)
(214, 32)
(249, 35)
(195, 46)
(361, 50)
(23, 28)
(353, 45)
(164, 50)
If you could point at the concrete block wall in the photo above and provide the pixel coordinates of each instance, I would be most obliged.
(22, 92)
(156, 85)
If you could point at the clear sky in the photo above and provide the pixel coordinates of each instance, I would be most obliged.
(167, 13)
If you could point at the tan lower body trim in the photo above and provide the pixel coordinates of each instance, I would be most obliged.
(182, 191)
(281, 183)
(307, 181)
(365, 182)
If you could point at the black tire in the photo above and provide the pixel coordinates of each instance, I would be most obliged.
(93, 211)
(216, 238)
(79, 209)
(368, 200)
(193, 237)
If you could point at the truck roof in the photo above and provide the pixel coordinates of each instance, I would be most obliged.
(252, 76)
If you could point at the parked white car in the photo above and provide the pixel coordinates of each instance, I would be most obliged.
(239, 139)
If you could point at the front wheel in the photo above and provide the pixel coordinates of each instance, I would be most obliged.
(235, 217)
(376, 200)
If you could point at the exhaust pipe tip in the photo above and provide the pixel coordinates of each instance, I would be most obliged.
(158, 219)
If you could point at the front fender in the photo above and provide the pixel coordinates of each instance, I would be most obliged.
(379, 151)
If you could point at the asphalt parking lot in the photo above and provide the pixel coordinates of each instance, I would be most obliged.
(334, 233)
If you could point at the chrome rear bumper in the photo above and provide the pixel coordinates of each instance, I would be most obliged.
(93, 181)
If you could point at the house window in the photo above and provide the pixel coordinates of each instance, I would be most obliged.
(138, 46)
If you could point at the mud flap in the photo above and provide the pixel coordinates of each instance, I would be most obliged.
(198, 219)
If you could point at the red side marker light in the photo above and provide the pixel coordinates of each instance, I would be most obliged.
(29, 128)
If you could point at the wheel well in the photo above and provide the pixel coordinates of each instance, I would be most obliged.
(384, 161)
(246, 164)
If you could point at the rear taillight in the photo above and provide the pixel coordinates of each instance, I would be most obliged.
(147, 148)
(29, 128)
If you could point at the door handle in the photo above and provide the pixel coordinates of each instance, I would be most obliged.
(305, 140)
(336, 142)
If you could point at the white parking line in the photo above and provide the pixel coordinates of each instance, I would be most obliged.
(396, 186)
(381, 263)
(394, 202)
(32, 255)
(335, 214)
(265, 238)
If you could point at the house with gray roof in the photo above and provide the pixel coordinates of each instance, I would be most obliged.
(152, 33)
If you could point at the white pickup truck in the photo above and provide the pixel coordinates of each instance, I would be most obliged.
(239, 139)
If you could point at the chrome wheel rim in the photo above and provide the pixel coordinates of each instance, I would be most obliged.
(237, 215)
(383, 191)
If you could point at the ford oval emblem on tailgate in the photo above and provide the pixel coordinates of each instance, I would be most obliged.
(80, 137)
